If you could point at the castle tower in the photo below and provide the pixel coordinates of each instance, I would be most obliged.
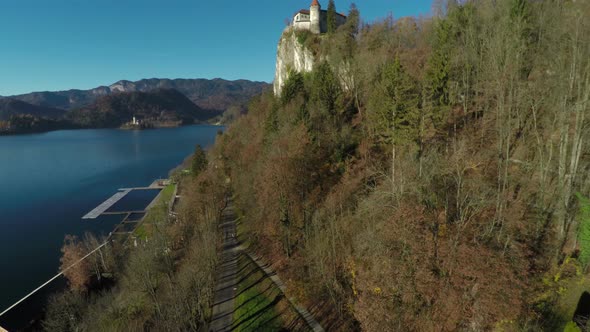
(314, 16)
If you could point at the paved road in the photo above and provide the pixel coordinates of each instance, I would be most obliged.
(227, 275)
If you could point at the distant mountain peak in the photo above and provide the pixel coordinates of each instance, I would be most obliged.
(216, 95)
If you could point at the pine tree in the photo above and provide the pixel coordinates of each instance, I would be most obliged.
(353, 20)
(332, 25)
(395, 109)
(436, 85)
(326, 87)
(199, 161)
(292, 87)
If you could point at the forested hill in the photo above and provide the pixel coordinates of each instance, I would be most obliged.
(184, 100)
(428, 174)
(215, 95)
(160, 105)
(10, 107)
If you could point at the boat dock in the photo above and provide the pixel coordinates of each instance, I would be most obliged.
(106, 204)
(102, 208)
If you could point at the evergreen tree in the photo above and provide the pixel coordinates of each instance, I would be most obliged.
(199, 161)
(436, 85)
(326, 87)
(292, 87)
(347, 42)
(353, 20)
(332, 25)
(395, 104)
(394, 109)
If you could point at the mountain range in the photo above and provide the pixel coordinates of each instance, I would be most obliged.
(216, 94)
(184, 100)
(160, 104)
(10, 107)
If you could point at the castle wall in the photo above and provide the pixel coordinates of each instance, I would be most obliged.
(302, 25)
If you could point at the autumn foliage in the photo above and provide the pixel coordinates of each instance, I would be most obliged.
(77, 272)
(423, 176)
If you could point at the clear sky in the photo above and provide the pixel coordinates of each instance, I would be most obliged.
(64, 44)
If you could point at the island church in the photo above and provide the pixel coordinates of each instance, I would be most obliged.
(315, 19)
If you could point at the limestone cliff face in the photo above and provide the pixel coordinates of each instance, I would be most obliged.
(291, 55)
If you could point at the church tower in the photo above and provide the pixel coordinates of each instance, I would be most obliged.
(314, 16)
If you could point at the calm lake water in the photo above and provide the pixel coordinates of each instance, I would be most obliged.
(49, 181)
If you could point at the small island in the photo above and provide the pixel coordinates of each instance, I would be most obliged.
(137, 123)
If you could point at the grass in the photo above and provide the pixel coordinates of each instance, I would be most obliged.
(256, 304)
(559, 300)
(166, 194)
(157, 213)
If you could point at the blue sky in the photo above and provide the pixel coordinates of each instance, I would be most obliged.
(63, 44)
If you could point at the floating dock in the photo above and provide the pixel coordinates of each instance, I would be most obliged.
(102, 208)
(106, 204)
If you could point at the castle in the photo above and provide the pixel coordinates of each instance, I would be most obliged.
(315, 19)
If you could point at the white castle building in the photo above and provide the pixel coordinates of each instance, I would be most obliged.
(315, 19)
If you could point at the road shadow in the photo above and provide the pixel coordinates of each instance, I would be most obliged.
(260, 305)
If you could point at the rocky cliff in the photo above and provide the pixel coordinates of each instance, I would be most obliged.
(292, 55)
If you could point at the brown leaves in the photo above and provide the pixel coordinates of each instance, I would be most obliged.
(78, 273)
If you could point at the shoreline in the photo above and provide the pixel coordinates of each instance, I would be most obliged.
(175, 168)
(37, 132)
(3, 134)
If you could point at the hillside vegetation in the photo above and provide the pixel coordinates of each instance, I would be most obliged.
(423, 177)
(11, 107)
(160, 278)
(427, 175)
(116, 109)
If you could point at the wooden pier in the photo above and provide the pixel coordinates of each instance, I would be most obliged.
(106, 204)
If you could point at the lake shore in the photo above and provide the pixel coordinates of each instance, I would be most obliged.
(60, 176)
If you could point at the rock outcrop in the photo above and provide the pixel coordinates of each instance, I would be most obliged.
(292, 55)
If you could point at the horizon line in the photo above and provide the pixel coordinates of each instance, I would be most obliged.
(133, 81)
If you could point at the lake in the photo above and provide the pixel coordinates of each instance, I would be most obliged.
(49, 181)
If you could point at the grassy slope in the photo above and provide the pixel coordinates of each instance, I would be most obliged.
(256, 304)
(158, 211)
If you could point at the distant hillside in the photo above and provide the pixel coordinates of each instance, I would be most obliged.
(216, 95)
(159, 105)
(11, 107)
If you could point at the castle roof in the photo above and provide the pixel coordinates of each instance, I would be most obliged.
(339, 14)
(304, 11)
(315, 3)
